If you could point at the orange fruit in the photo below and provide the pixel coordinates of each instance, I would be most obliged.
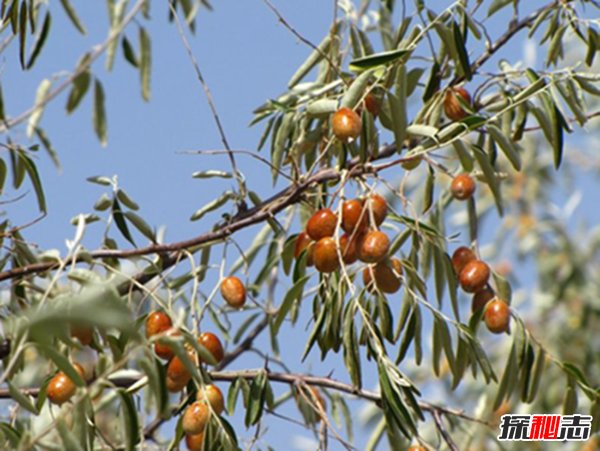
(346, 125)
(321, 224)
(233, 291)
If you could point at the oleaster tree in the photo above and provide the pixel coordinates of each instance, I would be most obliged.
(417, 237)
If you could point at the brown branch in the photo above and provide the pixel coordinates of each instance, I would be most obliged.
(293, 379)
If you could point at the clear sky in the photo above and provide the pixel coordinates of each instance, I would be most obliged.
(246, 57)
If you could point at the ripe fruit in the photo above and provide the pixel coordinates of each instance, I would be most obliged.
(195, 418)
(233, 291)
(212, 343)
(474, 276)
(157, 322)
(177, 372)
(346, 125)
(462, 187)
(372, 104)
(497, 316)
(175, 386)
(61, 388)
(325, 255)
(461, 257)
(213, 395)
(416, 448)
(84, 334)
(452, 106)
(378, 206)
(353, 216)
(481, 298)
(373, 246)
(321, 224)
(385, 276)
(163, 350)
(195, 442)
(348, 248)
(413, 163)
(304, 242)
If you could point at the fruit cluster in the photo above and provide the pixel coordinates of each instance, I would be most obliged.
(473, 276)
(209, 399)
(362, 240)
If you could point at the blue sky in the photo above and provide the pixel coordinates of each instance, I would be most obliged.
(246, 57)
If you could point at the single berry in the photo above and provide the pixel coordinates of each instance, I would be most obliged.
(177, 372)
(212, 394)
(416, 448)
(373, 246)
(474, 276)
(325, 255)
(84, 334)
(377, 205)
(372, 104)
(452, 106)
(174, 386)
(386, 276)
(164, 350)
(346, 125)
(157, 322)
(233, 291)
(462, 187)
(61, 388)
(461, 257)
(304, 242)
(353, 216)
(212, 343)
(321, 224)
(481, 298)
(348, 248)
(195, 442)
(195, 418)
(497, 316)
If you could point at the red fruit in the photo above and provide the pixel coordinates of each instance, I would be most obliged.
(195, 442)
(178, 373)
(212, 343)
(84, 334)
(497, 316)
(373, 246)
(325, 255)
(385, 276)
(304, 242)
(481, 298)
(163, 350)
(175, 386)
(214, 396)
(346, 125)
(348, 248)
(452, 106)
(461, 257)
(61, 388)
(378, 206)
(474, 276)
(353, 216)
(195, 418)
(157, 322)
(372, 104)
(233, 291)
(416, 448)
(321, 224)
(462, 187)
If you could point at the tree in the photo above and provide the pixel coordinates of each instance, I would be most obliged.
(417, 166)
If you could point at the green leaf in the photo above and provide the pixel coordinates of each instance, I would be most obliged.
(129, 53)
(145, 63)
(116, 13)
(509, 148)
(21, 398)
(73, 16)
(3, 173)
(490, 175)
(356, 90)
(293, 295)
(256, 399)
(211, 173)
(11, 434)
(508, 380)
(131, 425)
(378, 59)
(40, 99)
(22, 33)
(279, 142)
(463, 55)
(126, 200)
(351, 346)
(497, 5)
(48, 147)
(322, 107)
(142, 226)
(100, 180)
(81, 83)
(213, 205)
(99, 113)
(62, 363)
(40, 41)
(104, 203)
(313, 59)
(232, 395)
(69, 440)
(34, 176)
(117, 214)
